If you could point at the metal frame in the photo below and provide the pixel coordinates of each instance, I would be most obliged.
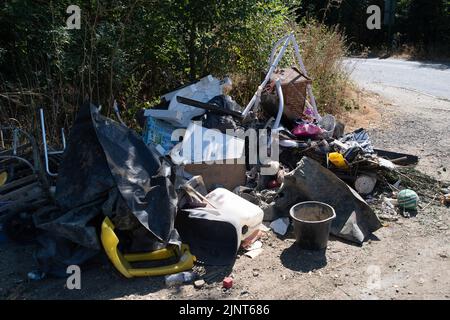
(44, 141)
(117, 112)
(33, 169)
(15, 145)
(273, 63)
(276, 124)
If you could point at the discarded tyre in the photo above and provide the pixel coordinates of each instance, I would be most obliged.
(312, 224)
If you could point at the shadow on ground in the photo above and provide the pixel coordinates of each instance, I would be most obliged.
(99, 279)
(297, 259)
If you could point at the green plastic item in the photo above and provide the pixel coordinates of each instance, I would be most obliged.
(408, 199)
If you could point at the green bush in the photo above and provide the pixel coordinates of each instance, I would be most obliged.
(135, 51)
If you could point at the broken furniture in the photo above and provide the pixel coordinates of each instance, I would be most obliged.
(47, 152)
(273, 63)
(122, 262)
(24, 187)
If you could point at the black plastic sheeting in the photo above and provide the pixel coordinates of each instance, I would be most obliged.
(212, 238)
(221, 122)
(106, 170)
(142, 180)
(359, 138)
(83, 174)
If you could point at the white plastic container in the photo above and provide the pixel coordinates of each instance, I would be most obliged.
(228, 203)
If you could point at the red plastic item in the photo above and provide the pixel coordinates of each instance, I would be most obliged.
(227, 282)
(273, 184)
(306, 130)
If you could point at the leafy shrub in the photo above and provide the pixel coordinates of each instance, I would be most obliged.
(134, 51)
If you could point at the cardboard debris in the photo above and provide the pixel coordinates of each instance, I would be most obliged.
(219, 160)
(256, 245)
(254, 253)
(254, 250)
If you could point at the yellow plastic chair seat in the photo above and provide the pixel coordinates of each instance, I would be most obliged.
(122, 261)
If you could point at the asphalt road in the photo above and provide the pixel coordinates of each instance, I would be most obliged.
(431, 79)
(414, 105)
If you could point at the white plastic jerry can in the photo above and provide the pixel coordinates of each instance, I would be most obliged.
(249, 215)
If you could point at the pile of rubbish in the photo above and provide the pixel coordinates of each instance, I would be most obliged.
(205, 180)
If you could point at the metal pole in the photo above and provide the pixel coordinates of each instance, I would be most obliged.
(1, 139)
(44, 141)
(273, 64)
(268, 75)
(63, 138)
(309, 88)
(15, 141)
(280, 104)
(117, 112)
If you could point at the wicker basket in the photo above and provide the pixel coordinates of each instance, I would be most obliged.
(293, 84)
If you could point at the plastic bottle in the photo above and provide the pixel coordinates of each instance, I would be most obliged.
(180, 278)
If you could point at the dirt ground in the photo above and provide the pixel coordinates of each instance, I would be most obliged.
(406, 259)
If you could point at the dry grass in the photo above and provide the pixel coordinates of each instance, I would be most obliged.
(323, 49)
(364, 114)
